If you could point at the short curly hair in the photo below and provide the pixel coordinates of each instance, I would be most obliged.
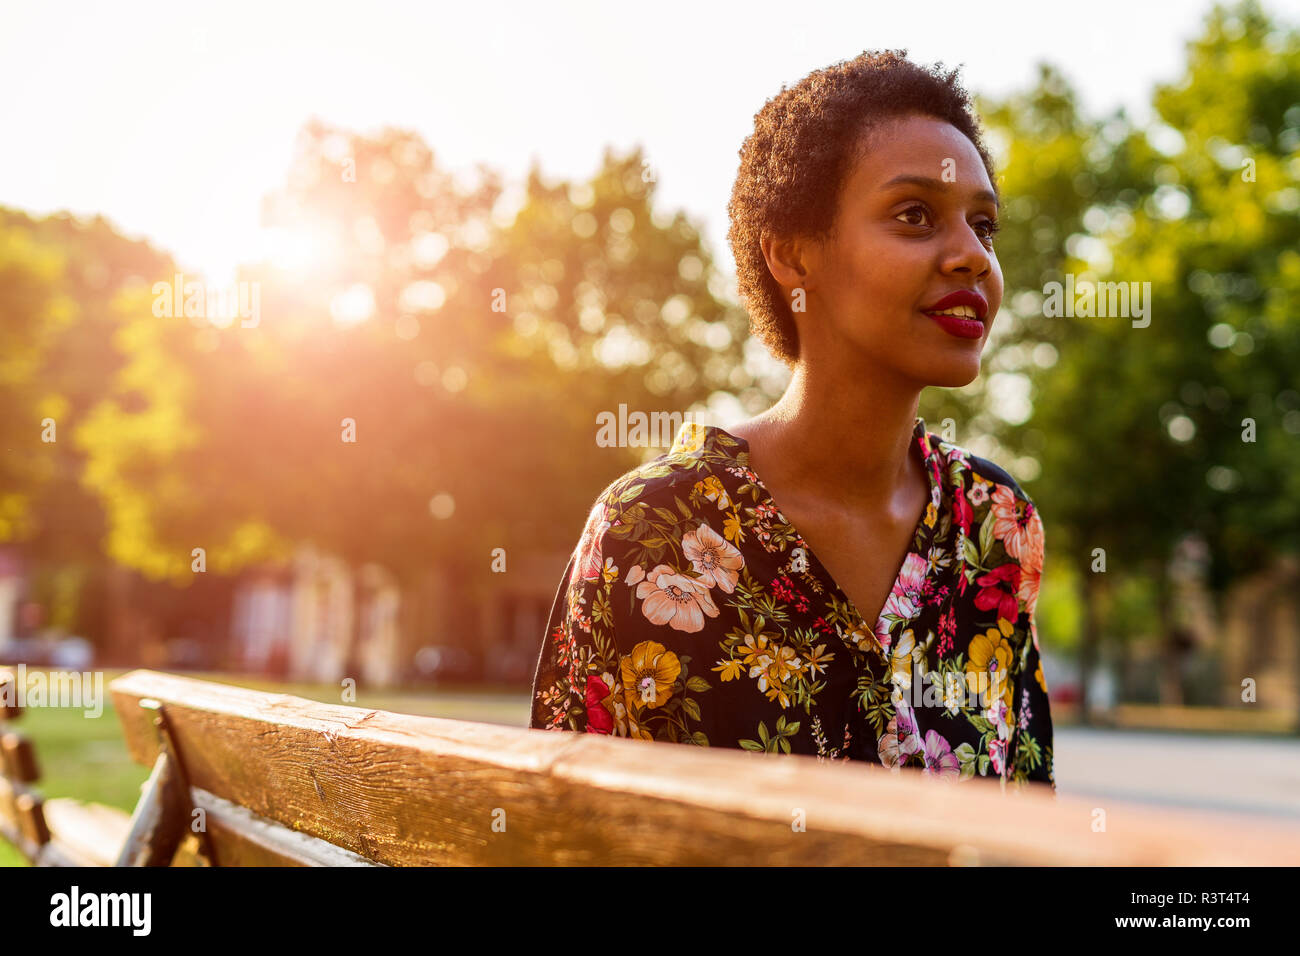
(794, 164)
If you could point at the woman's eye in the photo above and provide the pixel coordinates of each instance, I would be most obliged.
(987, 229)
(913, 211)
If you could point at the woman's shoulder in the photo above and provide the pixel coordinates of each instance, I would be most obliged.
(687, 474)
(984, 470)
(975, 471)
(999, 519)
(672, 494)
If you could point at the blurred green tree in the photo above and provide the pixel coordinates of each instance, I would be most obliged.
(1139, 430)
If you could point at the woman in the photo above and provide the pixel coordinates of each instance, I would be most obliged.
(884, 609)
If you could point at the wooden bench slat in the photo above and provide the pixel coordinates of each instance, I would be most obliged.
(31, 817)
(8, 809)
(9, 709)
(404, 790)
(91, 832)
(17, 757)
(22, 817)
(241, 838)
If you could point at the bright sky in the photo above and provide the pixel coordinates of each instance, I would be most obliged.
(174, 121)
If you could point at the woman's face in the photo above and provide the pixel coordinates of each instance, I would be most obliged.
(914, 226)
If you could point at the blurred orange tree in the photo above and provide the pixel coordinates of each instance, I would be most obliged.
(469, 354)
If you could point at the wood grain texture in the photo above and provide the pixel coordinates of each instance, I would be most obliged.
(404, 790)
(158, 824)
(241, 838)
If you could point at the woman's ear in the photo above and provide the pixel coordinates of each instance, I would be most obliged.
(787, 260)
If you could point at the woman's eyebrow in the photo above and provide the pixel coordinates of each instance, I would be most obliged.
(928, 182)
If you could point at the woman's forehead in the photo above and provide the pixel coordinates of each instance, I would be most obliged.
(920, 151)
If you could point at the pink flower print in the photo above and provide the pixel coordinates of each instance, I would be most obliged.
(939, 759)
(997, 714)
(905, 598)
(900, 740)
(715, 559)
(1011, 520)
(674, 599)
(998, 756)
(1031, 560)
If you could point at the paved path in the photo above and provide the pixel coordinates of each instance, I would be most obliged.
(1248, 775)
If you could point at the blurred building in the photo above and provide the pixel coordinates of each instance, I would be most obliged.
(318, 620)
(11, 588)
(1260, 637)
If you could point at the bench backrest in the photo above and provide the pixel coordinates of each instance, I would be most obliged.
(22, 813)
(286, 780)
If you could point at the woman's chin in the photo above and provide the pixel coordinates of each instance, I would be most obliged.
(952, 374)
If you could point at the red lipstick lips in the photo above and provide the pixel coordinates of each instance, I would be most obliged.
(960, 313)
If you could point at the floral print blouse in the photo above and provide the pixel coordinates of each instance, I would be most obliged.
(692, 611)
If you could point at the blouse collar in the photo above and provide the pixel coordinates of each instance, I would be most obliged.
(694, 439)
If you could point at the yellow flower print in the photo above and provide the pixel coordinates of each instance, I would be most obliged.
(905, 657)
(864, 639)
(989, 665)
(712, 489)
(784, 665)
(757, 654)
(731, 528)
(648, 674)
(609, 572)
(730, 669)
(954, 700)
(1038, 676)
(778, 694)
(689, 438)
(818, 658)
(931, 515)
(635, 730)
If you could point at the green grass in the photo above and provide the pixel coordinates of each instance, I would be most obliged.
(81, 757)
(86, 759)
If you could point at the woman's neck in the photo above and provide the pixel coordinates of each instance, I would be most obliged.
(844, 441)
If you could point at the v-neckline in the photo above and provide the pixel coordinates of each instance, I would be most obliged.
(921, 438)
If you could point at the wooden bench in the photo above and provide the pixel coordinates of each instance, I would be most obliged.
(88, 834)
(22, 809)
(242, 777)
